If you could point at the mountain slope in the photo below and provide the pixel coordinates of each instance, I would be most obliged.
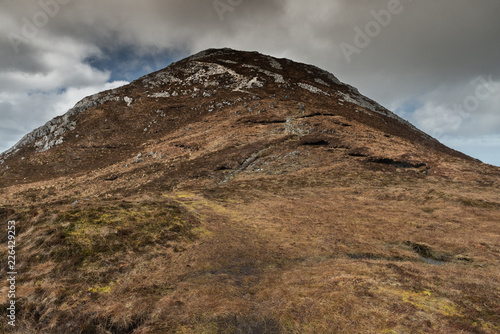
(248, 87)
(236, 192)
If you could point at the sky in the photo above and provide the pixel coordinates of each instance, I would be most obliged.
(433, 62)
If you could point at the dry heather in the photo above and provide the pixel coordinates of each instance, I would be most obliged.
(351, 253)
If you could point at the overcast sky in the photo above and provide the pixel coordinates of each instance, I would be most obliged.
(433, 62)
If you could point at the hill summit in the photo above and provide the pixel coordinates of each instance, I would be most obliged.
(234, 192)
(274, 99)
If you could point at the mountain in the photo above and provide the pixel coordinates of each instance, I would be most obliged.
(234, 192)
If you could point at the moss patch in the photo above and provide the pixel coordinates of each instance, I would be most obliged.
(88, 234)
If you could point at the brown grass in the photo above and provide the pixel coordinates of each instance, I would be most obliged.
(341, 253)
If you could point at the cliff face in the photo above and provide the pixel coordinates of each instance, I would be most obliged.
(236, 192)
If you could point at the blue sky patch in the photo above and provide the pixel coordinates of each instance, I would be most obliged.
(127, 63)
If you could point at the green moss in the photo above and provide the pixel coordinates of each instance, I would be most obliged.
(91, 233)
(102, 289)
(428, 302)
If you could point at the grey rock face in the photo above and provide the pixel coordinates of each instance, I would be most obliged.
(50, 134)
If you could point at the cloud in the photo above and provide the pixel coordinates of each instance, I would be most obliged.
(469, 109)
(484, 148)
(421, 63)
(22, 112)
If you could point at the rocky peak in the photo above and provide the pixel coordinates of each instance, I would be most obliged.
(205, 74)
(211, 86)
